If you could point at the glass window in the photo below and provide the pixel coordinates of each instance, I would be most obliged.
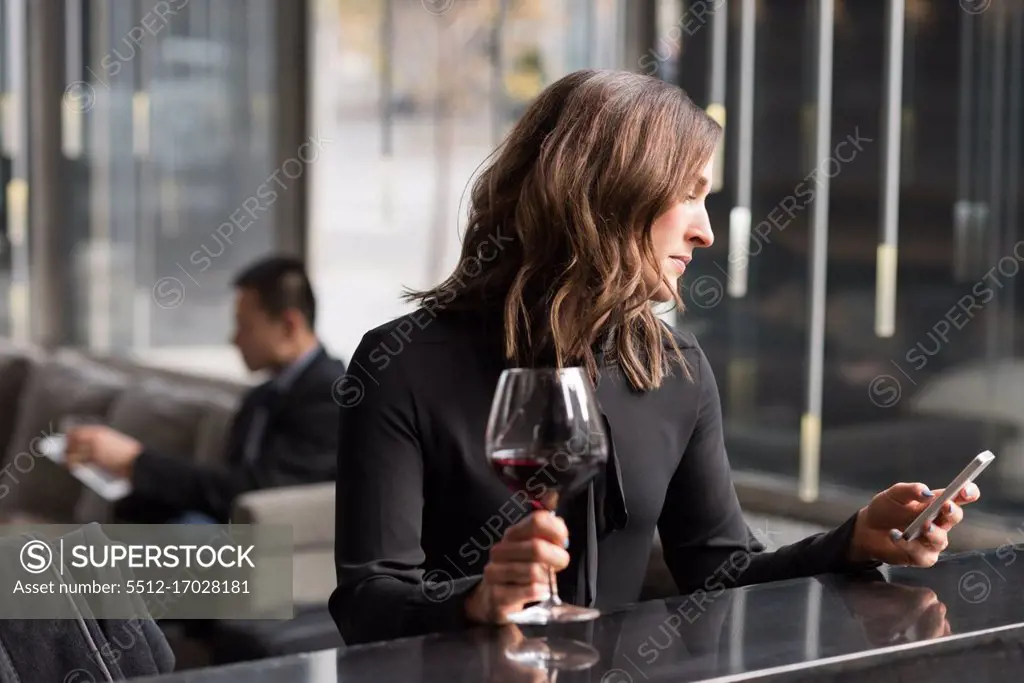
(416, 94)
(176, 112)
(907, 397)
(918, 401)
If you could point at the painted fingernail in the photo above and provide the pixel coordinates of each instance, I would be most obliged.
(927, 493)
(928, 529)
(565, 544)
(949, 507)
(895, 535)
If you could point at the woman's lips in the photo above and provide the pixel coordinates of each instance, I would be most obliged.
(680, 263)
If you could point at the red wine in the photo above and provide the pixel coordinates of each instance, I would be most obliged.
(544, 475)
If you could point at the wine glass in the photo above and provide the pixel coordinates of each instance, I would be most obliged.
(546, 438)
(552, 656)
(509, 641)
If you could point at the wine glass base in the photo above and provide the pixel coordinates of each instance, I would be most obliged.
(553, 653)
(538, 615)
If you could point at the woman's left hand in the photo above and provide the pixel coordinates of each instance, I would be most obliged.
(878, 531)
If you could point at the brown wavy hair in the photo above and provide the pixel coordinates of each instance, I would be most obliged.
(576, 185)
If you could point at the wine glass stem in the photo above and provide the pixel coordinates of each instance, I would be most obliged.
(549, 500)
(553, 599)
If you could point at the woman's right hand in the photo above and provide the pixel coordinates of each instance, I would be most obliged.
(518, 567)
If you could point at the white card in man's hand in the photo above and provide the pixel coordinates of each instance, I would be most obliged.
(106, 485)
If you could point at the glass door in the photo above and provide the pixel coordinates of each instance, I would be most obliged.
(921, 367)
(746, 297)
(860, 304)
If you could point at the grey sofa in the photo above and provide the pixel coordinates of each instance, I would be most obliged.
(174, 412)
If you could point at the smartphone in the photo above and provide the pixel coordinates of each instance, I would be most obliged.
(966, 476)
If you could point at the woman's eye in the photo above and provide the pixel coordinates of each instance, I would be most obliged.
(691, 198)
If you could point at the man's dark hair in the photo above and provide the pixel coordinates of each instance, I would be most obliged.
(280, 283)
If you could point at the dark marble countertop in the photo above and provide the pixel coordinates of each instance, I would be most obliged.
(963, 618)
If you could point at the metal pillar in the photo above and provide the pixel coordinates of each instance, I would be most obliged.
(50, 270)
(292, 73)
(640, 35)
(810, 424)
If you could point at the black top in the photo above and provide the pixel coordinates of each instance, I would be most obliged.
(418, 505)
(292, 421)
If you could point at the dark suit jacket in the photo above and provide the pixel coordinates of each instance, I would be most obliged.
(298, 446)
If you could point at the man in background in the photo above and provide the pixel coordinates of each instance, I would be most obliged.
(284, 433)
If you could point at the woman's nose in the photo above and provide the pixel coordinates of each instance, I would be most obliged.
(700, 235)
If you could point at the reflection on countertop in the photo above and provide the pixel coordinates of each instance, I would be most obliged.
(823, 628)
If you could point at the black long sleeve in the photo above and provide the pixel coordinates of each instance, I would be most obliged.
(419, 507)
(382, 591)
(706, 541)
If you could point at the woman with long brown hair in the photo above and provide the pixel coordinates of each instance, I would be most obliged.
(590, 210)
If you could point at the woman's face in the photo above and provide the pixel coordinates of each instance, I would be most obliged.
(676, 233)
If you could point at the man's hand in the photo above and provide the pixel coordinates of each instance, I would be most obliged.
(104, 447)
(877, 534)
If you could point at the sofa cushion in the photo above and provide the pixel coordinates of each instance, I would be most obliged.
(309, 510)
(164, 415)
(16, 363)
(212, 433)
(66, 384)
(221, 398)
(161, 412)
